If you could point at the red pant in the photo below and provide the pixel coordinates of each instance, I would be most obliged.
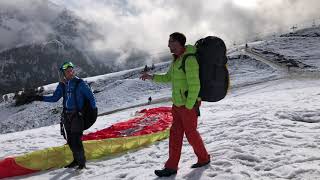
(184, 122)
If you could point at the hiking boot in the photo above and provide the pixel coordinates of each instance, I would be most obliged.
(81, 166)
(197, 165)
(165, 172)
(71, 165)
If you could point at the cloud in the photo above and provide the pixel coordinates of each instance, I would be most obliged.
(131, 26)
(148, 23)
(23, 22)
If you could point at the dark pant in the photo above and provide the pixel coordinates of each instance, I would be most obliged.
(74, 132)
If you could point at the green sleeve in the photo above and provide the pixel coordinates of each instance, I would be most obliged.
(193, 81)
(163, 77)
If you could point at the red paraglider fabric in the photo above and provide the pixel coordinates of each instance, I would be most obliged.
(151, 121)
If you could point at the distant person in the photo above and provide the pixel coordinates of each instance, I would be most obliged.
(72, 123)
(186, 87)
(149, 100)
(146, 68)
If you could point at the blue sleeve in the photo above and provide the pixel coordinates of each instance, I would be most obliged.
(56, 95)
(86, 91)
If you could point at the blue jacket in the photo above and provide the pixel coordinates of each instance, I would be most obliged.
(83, 91)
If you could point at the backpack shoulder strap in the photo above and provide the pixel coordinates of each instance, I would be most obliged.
(63, 86)
(78, 81)
(184, 58)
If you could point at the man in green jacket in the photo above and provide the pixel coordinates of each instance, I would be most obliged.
(185, 90)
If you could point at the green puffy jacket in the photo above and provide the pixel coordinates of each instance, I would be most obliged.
(183, 81)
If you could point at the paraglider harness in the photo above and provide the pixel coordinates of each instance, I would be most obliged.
(213, 71)
(87, 114)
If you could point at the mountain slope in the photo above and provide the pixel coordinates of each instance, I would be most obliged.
(41, 36)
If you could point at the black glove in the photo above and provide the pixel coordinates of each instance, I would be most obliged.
(34, 98)
(197, 107)
(38, 98)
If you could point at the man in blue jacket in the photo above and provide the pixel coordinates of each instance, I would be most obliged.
(74, 92)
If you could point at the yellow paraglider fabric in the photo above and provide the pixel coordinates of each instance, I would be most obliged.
(56, 157)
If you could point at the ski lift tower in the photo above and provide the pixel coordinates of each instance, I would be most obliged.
(294, 28)
(314, 23)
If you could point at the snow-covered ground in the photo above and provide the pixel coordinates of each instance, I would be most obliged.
(122, 89)
(301, 48)
(268, 127)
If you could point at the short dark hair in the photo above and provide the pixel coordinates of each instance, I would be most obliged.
(181, 38)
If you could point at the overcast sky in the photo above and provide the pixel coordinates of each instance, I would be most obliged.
(130, 27)
(147, 23)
